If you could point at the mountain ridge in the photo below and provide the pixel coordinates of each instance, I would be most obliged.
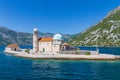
(8, 36)
(104, 33)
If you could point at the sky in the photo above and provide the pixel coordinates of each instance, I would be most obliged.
(55, 16)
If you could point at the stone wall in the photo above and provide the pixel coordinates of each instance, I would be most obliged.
(80, 52)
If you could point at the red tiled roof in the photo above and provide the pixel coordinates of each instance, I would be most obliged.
(48, 39)
(13, 46)
(65, 44)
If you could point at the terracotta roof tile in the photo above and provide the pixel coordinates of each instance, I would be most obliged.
(65, 44)
(48, 39)
(13, 46)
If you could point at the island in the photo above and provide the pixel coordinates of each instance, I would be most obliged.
(55, 48)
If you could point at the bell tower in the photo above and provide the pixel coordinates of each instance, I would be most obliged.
(35, 40)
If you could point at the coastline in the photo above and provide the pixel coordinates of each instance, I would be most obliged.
(64, 56)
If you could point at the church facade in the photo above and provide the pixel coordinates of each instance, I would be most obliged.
(47, 44)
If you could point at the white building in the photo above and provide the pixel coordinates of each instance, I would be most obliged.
(48, 44)
(12, 47)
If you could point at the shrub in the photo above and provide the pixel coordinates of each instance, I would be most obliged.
(67, 53)
(27, 50)
(78, 48)
(87, 53)
(76, 52)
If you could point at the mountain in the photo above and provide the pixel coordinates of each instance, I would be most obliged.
(104, 33)
(8, 36)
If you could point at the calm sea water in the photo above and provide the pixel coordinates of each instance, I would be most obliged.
(15, 68)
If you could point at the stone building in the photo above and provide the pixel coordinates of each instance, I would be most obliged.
(12, 47)
(47, 44)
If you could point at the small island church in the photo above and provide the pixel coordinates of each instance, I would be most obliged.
(48, 44)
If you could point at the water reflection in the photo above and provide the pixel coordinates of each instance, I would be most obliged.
(45, 64)
(45, 67)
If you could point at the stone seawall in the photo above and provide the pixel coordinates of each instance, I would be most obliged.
(80, 52)
(64, 56)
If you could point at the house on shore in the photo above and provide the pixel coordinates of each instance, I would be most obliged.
(12, 47)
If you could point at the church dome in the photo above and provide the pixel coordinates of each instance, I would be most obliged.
(58, 37)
